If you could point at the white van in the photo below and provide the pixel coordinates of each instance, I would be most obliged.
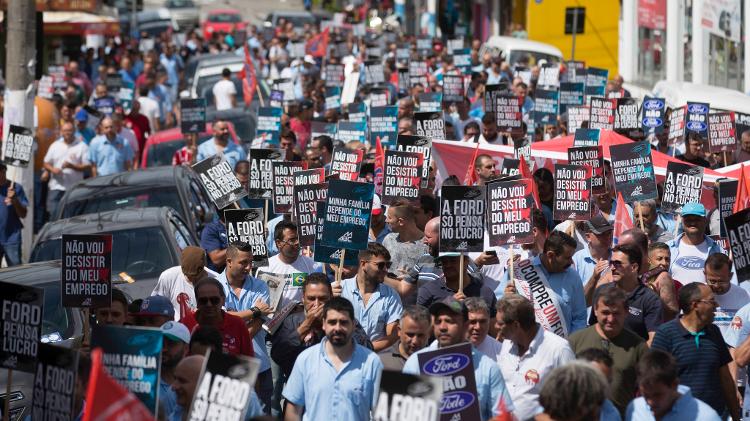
(677, 94)
(517, 50)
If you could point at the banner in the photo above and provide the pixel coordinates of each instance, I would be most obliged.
(18, 146)
(325, 254)
(722, 18)
(334, 75)
(384, 124)
(346, 163)
(596, 81)
(453, 88)
(546, 106)
(532, 283)
(269, 124)
(86, 271)
(571, 94)
(508, 115)
(347, 221)
(652, 14)
(509, 212)
(454, 365)
(55, 383)
(430, 102)
(403, 176)
(430, 125)
(248, 226)
(21, 320)
(193, 115)
(721, 137)
(305, 196)
(462, 219)
(653, 115)
(260, 182)
(572, 193)
(626, 117)
(219, 180)
(697, 119)
(423, 145)
(602, 113)
(727, 196)
(633, 171)
(351, 130)
(677, 125)
(577, 116)
(738, 229)
(283, 184)
(591, 156)
(682, 184)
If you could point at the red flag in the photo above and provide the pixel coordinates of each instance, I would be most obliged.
(502, 412)
(249, 80)
(471, 175)
(317, 46)
(379, 166)
(106, 399)
(623, 222)
(526, 173)
(742, 201)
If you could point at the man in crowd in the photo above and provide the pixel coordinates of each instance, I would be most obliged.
(378, 228)
(117, 312)
(694, 151)
(221, 144)
(730, 298)
(598, 235)
(324, 146)
(485, 168)
(154, 311)
(13, 210)
(479, 328)
(215, 242)
(174, 348)
(224, 91)
(66, 160)
(692, 247)
(646, 211)
(186, 376)
(576, 391)
(178, 282)
(405, 243)
(109, 153)
(414, 333)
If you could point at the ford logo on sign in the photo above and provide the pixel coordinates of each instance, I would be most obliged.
(652, 122)
(696, 126)
(444, 365)
(455, 401)
(697, 109)
(689, 262)
(653, 104)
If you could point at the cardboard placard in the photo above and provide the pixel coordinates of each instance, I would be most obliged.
(219, 180)
(738, 230)
(549, 76)
(508, 114)
(727, 197)
(461, 219)
(677, 125)
(332, 98)
(18, 145)
(352, 130)
(587, 137)
(430, 125)
(384, 124)
(86, 271)
(374, 72)
(193, 115)
(602, 113)
(430, 101)
(633, 171)
(571, 94)
(596, 81)
(576, 117)
(334, 75)
(454, 364)
(260, 181)
(346, 163)
(21, 316)
(305, 197)
(402, 177)
(423, 145)
(683, 183)
(509, 212)
(283, 184)
(347, 221)
(55, 383)
(269, 125)
(575, 72)
(546, 106)
(653, 112)
(248, 226)
(357, 112)
(332, 255)
(423, 394)
(453, 88)
(721, 137)
(697, 119)
(593, 157)
(626, 116)
(572, 193)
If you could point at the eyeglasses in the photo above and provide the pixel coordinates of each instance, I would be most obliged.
(381, 265)
(712, 301)
(293, 241)
(617, 263)
(202, 301)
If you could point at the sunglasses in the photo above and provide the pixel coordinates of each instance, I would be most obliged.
(617, 263)
(381, 265)
(202, 301)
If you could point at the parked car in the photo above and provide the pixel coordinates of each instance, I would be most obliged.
(62, 326)
(153, 22)
(184, 12)
(161, 146)
(206, 77)
(516, 50)
(244, 120)
(207, 60)
(298, 19)
(175, 186)
(223, 20)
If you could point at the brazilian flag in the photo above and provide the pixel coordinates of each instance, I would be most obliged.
(298, 279)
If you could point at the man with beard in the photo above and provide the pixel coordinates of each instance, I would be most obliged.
(176, 340)
(414, 333)
(691, 248)
(337, 378)
(221, 145)
(646, 212)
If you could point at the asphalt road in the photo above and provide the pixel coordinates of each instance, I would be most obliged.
(253, 11)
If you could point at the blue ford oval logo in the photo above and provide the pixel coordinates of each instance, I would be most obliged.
(652, 122)
(690, 262)
(444, 365)
(697, 109)
(455, 401)
(653, 104)
(696, 126)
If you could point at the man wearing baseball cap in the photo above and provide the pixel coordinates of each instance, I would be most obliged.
(692, 247)
(593, 259)
(378, 228)
(154, 312)
(177, 283)
(176, 340)
(450, 324)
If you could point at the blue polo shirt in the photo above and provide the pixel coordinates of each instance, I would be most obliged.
(327, 394)
(168, 401)
(213, 237)
(686, 407)
(253, 290)
(383, 307)
(584, 264)
(10, 223)
(232, 153)
(109, 156)
(698, 365)
(490, 383)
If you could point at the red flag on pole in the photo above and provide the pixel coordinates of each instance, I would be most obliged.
(526, 173)
(623, 222)
(471, 175)
(249, 80)
(502, 412)
(317, 46)
(742, 201)
(106, 399)
(379, 166)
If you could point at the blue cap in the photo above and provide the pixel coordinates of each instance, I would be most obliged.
(156, 305)
(693, 208)
(82, 115)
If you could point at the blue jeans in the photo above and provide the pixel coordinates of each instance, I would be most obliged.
(12, 253)
(265, 390)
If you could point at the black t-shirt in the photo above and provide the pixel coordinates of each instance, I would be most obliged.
(695, 161)
(644, 310)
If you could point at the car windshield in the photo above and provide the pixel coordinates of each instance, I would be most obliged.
(531, 58)
(204, 87)
(244, 127)
(300, 21)
(56, 325)
(155, 28)
(141, 197)
(162, 153)
(180, 3)
(139, 252)
(224, 18)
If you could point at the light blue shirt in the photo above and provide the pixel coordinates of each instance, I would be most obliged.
(232, 153)
(327, 394)
(490, 383)
(109, 157)
(609, 412)
(584, 264)
(168, 401)
(270, 240)
(686, 407)
(253, 409)
(383, 307)
(253, 290)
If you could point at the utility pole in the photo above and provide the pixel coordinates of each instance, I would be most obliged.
(19, 97)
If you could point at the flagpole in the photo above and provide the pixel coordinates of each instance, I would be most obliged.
(461, 274)
(512, 274)
(341, 265)
(640, 215)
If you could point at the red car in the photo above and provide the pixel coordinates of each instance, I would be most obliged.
(227, 21)
(161, 146)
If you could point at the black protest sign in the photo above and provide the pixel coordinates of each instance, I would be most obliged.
(384, 125)
(193, 115)
(570, 94)
(260, 182)
(430, 124)
(248, 226)
(508, 114)
(423, 145)
(21, 319)
(461, 219)
(403, 176)
(653, 117)
(219, 180)
(596, 81)
(283, 184)
(522, 148)
(572, 193)
(18, 146)
(454, 364)
(682, 184)
(224, 388)
(453, 88)
(374, 72)
(727, 197)
(509, 212)
(418, 72)
(738, 229)
(424, 45)
(510, 166)
(633, 170)
(549, 77)
(575, 72)
(86, 271)
(403, 54)
(741, 125)
(55, 383)
(491, 93)
(378, 97)
(307, 177)
(334, 75)
(348, 210)
(677, 125)
(462, 60)
(346, 163)
(411, 397)
(430, 101)
(546, 106)
(113, 82)
(325, 254)
(697, 119)
(602, 113)
(721, 136)
(593, 157)
(403, 79)
(305, 197)
(586, 137)
(626, 116)
(576, 116)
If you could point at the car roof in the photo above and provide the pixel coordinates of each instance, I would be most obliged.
(224, 12)
(175, 133)
(152, 176)
(32, 273)
(677, 94)
(518, 44)
(114, 220)
(295, 13)
(217, 68)
(209, 59)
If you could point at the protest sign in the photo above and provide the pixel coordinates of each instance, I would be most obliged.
(653, 115)
(524, 73)
(462, 60)
(721, 136)
(346, 163)
(697, 119)
(453, 88)
(727, 197)
(334, 75)
(276, 99)
(403, 54)
(384, 124)
(132, 356)
(570, 94)
(59, 76)
(508, 114)
(491, 93)
(403, 176)
(248, 226)
(738, 229)
(352, 130)
(522, 147)
(320, 128)
(378, 97)
(126, 96)
(21, 320)
(602, 113)
(347, 221)
(403, 79)
(349, 93)
(113, 82)
(576, 117)
(219, 180)
(260, 182)
(418, 72)
(325, 254)
(461, 219)
(55, 383)
(546, 106)
(408, 397)
(374, 72)
(626, 117)
(286, 86)
(633, 171)
(296, 49)
(46, 87)
(575, 72)
(357, 112)
(283, 184)
(741, 125)
(596, 81)
(333, 98)
(549, 77)
(430, 124)
(224, 388)
(430, 101)
(510, 166)
(586, 137)
(453, 44)
(193, 115)
(305, 197)
(269, 125)
(454, 364)
(105, 105)
(593, 157)
(677, 125)
(18, 146)
(86, 272)
(419, 144)
(683, 183)
(424, 45)
(572, 193)
(509, 212)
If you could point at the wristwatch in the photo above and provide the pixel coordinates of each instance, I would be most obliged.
(256, 312)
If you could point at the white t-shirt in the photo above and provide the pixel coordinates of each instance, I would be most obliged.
(150, 108)
(60, 152)
(491, 347)
(223, 91)
(687, 265)
(285, 280)
(173, 283)
(729, 304)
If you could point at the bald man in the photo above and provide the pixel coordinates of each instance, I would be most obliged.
(186, 376)
(66, 160)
